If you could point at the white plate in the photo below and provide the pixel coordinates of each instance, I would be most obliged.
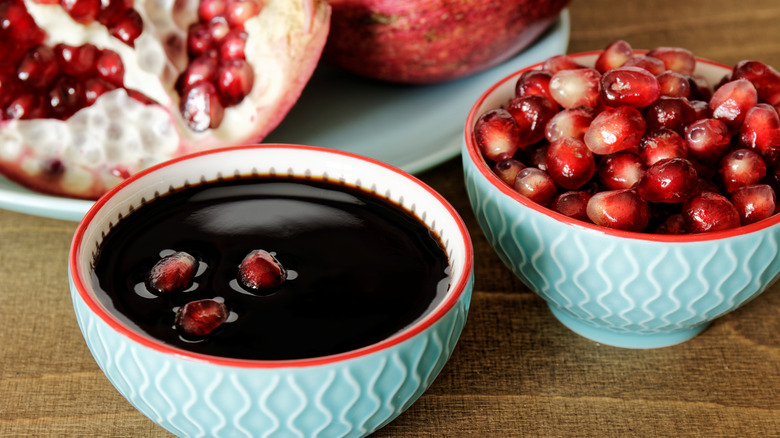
(413, 127)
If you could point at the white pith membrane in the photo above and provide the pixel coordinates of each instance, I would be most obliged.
(119, 135)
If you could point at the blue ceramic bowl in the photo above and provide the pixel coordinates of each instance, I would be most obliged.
(344, 395)
(625, 289)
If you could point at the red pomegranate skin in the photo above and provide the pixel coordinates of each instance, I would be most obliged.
(428, 41)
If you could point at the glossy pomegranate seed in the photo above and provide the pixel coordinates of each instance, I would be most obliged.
(615, 55)
(570, 122)
(673, 113)
(539, 157)
(127, 27)
(654, 65)
(202, 69)
(66, 97)
(218, 28)
(232, 46)
(82, 11)
(731, 102)
(172, 273)
(94, 88)
(760, 132)
(740, 168)
(76, 61)
(199, 40)
(673, 224)
(630, 86)
(619, 209)
(497, 134)
(614, 130)
(111, 10)
(532, 113)
(238, 11)
(508, 169)
(707, 139)
(573, 88)
(261, 271)
(16, 24)
(570, 163)
(709, 211)
(754, 203)
(201, 317)
(534, 82)
(701, 109)
(38, 67)
(110, 68)
(672, 180)
(8, 89)
(675, 59)
(662, 143)
(764, 78)
(621, 170)
(674, 84)
(557, 63)
(536, 185)
(700, 88)
(200, 107)
(209, 9)
(573, 204)
(25, 106)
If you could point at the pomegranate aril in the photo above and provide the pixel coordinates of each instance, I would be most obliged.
(619, 209)
(653, 65)
(673, 113)
(497, 134)
(673, 224)
(570, 163)
(531, 112)
(81, 11)
(701, 109)
(674, 84)
(672, 180)
(238, 11)
(232, 46)
(76, 61)
(201, 317)
(218, 27)
(127, 27)
(676, 59)
(557, 63)
(621, 170)
(573, 204)
(740, 168)
(110, 68)
(707, 139)
(536, 185)
(570, 122)
(25, 107)
(201, 108)
(199, 40)
(760, 132)
(16, 24)
(202, 69)
(38, 67)
(172, 273)
(66, 97)
(764, 78)
(94, 88)
(630, 86)
(615, 55)
(539, 157)
(508, 169)
(709, 211)
(659, 144)
(110, 10)
(534, 82)
(614, 130)
(754, 203)
(209, 9)
(261, 271)
(573, 88)
(700, 88)
(731, 102)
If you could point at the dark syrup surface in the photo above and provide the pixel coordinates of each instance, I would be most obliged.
(360, 268)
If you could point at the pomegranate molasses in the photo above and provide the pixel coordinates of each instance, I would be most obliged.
(357, 268)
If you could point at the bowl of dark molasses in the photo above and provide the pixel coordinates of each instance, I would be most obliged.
(271, 289)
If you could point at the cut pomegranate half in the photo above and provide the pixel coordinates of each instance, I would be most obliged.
(93, 91)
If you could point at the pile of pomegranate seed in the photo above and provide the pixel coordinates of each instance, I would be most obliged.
(639, 142)
(260, 273)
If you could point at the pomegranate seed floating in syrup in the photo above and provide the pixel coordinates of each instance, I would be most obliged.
(640, 142)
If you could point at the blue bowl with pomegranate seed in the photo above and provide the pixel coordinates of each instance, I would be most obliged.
(622, 288)
(192, 392)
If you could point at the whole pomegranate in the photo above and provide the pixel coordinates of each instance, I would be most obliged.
(425, 41)
(92, 91)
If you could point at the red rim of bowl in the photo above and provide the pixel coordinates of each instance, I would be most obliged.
(456, 289)
(475, 156)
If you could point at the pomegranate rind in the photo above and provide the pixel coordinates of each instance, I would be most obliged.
(100, 145)
(430, 41)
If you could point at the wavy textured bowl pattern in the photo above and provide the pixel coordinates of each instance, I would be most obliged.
(346, 395)
(624, 289)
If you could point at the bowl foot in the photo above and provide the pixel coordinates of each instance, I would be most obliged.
(626, 340)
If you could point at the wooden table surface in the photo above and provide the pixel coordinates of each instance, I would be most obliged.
(516, 371)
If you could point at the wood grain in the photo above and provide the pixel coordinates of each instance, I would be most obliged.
(516, 371)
